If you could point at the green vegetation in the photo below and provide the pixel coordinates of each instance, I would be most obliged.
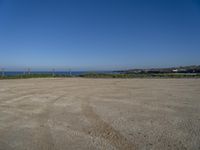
(104, 75)
(141, 75)
(32, 76)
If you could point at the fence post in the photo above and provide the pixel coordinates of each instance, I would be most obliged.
(66, 73)
(29, 71)
(24, 71)
(2, 72)
(70, 72)
(53, 72)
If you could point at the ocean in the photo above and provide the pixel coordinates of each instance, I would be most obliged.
(74, 73)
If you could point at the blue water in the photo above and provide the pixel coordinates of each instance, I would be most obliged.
(74, 73)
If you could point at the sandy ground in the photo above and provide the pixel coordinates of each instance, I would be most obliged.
(103, 114)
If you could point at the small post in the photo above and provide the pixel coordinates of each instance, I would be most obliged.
(66, 73)
(70, 72)
(2, 72)
(29, 71)
(24, 71)
(53, 72)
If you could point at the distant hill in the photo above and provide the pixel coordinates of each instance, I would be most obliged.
(181, 69)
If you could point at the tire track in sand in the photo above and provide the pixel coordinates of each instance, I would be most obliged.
(103, 130)
(43, 136)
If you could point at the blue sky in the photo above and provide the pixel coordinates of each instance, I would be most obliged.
(99, 34)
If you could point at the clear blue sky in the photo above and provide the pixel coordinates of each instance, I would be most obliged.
(100, 33)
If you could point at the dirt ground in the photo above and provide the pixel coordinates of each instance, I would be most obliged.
(102, 114)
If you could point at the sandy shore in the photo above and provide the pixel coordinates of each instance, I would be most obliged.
(103, 114)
